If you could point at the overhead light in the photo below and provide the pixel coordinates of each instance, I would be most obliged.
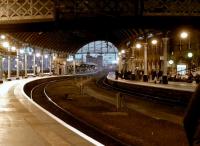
(37, 54)
(138, 46)
(171, 62)
(154, 42)
(46, 56)
(13, 48)
(6, 44)
(3, 37)
(122, 51)
(184, 35)
(190, 54)
(21, 51)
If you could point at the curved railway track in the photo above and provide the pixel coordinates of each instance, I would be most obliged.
(39, 95)
(102, 83)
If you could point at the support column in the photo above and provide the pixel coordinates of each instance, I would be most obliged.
(145, 77)
(165, 41)
(133, 64)
(25, 65)
(9, 69)
(34, 71)
(17, 65)
(1, 70)
(42, 62)
(74, 65)
(50, 64)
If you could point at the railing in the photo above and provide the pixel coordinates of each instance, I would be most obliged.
(18, 11)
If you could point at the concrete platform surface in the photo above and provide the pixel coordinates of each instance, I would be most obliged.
(23, 123)
(171, 85)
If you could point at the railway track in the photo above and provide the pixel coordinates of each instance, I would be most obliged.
(39, 95)
(102, 83)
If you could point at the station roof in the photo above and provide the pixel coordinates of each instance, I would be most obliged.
(75, 24)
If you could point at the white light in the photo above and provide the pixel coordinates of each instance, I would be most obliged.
(190, 54)
(46, 56)
(138, 46)
(37, 54)
(6, 44)
(13, 48)
(54, 57)
(21, 51)
(184, 35)
(114, 61)
(30, 53)
(122, 51)
(3, 37)
(119, 53)
(171, 62)
(154, 42)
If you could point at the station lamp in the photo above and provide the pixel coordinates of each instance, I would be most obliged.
(6, 45)
(190, 54)
(154, 42)
(138, 46)
(171, 62)
(37, 54)
(184, 35)
(13, 48)
(3, 37)
(21, 51)
(122, 51)
(45, 56)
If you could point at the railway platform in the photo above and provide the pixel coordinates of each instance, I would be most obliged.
(24, 123)
(182, 86)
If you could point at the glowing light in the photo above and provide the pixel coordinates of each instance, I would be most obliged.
(119, 53)
(184, 35)
(46, 56)
(6, 44)
(154, 42)
(54, 57)
(13, 48)
(171, 61)
(3, 37)
(138, 46)
(37, 54)
(190, 54)
(21, 51)
(30, 53)
(123, 51)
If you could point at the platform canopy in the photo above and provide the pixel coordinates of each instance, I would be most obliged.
(67, 25)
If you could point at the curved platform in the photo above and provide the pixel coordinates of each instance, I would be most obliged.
(181, 86)
(24, 123)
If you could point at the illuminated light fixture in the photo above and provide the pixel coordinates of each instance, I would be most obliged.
(46, 56)
(16, 59)
(30, 53)
(54, 57)
(3, 37)
(37, 54)
(184, 35)
(154, 42)
(21, 51)
(138, 46)
(122, 51)
(190, 54)
(6, 45)
(13, 48)
(171, 62)
(119, 53)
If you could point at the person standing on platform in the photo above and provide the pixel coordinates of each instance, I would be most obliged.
(192, 119)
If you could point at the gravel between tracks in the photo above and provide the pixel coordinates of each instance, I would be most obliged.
(128, 125)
